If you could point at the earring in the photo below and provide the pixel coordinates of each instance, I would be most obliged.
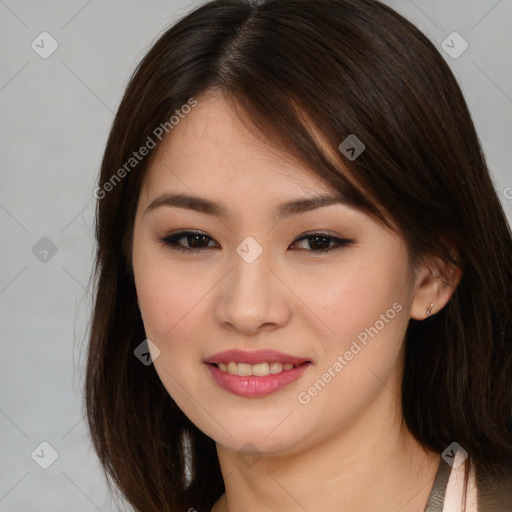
(429, 309)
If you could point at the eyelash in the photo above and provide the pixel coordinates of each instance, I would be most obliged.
(171, 242)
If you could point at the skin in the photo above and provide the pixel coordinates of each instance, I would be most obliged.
(349, 440)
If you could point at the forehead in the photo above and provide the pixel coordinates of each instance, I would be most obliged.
(215, 145)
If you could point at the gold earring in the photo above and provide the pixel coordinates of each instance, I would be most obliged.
(429, 309)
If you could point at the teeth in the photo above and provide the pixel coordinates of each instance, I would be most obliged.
(276, 367)
(259, 370)
(232, 368)
(244, 369)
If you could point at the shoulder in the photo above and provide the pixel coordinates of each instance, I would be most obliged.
(488, 491)
(494, 489)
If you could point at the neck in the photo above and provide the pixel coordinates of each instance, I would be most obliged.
(374, 464)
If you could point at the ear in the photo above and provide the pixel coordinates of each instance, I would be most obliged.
(435, 282)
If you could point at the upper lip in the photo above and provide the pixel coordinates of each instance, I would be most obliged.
(254, 357)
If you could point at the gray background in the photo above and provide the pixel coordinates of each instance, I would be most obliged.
(55, 114)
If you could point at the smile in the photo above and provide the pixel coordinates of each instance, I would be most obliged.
(255, 374)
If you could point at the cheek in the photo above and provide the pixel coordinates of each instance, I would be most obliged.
(173, 318)
(366, 310)
(353, 299)
(167, 293)
(172, 304)
(175, 306)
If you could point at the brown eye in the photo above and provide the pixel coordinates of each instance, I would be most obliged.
(322, 242)
(196, 241)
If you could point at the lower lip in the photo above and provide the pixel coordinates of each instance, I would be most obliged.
(252, 386)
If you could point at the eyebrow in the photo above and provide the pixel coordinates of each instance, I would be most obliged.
(209, 207)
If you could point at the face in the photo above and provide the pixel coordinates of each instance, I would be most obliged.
(325, 289)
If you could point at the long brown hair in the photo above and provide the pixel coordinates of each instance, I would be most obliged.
(349, 67)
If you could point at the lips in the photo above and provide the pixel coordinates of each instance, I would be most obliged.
(255, 374)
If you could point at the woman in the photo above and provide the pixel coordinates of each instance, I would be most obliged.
(294, 194)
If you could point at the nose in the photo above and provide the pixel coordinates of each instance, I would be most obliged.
(253, 297)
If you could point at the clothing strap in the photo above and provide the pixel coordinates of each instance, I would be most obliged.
(435, 501)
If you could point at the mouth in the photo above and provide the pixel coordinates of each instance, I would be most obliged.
(255, 374)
